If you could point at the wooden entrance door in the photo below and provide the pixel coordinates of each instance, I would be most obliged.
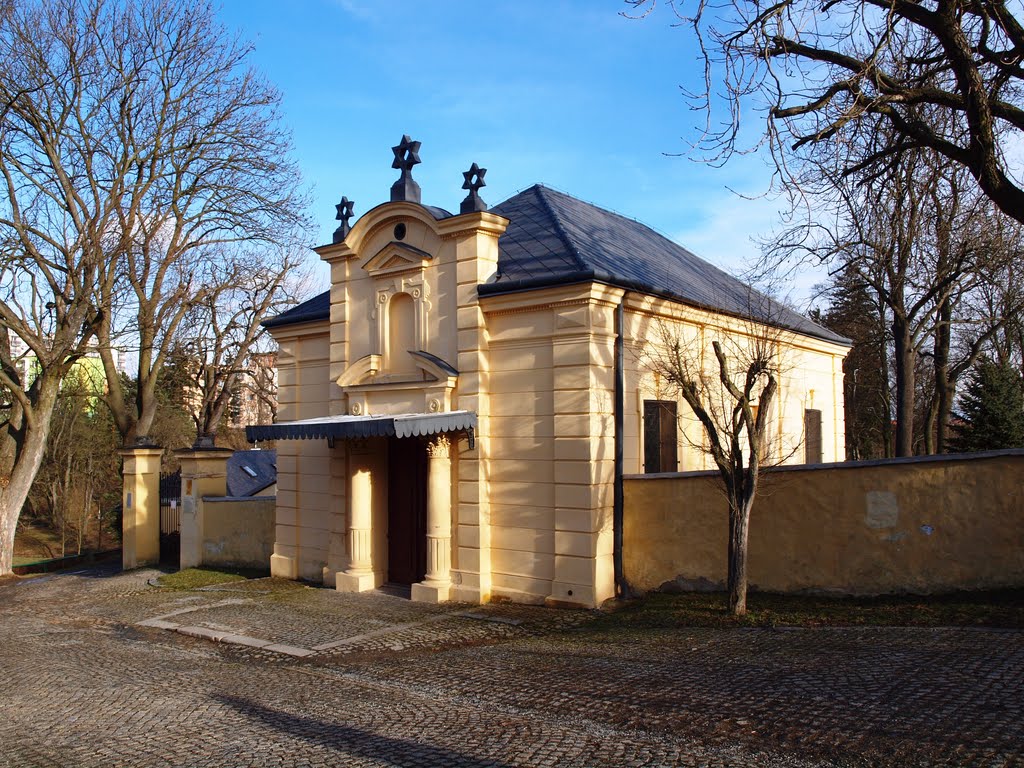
(407, 511)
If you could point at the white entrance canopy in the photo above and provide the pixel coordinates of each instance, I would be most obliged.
(349, 427)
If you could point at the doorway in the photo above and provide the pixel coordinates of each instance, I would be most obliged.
(407, 510)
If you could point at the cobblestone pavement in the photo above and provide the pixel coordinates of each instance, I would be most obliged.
(88, 678)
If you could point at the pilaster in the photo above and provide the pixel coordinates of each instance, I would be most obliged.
(476, 252)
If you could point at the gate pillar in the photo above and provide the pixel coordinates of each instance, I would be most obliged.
(140, 504)
(204, 472)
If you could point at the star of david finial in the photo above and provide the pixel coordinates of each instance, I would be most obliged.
(344, 209)
(407, 154)
(474, 179)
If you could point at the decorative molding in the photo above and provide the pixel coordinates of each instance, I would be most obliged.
(541, 307)
(439, 447)
(418, 289)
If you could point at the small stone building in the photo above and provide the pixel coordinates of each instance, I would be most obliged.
(455, 413)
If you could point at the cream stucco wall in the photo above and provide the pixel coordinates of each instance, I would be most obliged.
(927, 525)
(238, 532)
(551, 445)
(810, 372)
(306, 482)
(531, 502)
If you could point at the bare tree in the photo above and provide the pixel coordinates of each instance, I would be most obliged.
(134, 143)
(732, 400)
(80, 466)
(223, 331)
(261, 383)
(56, 228)
(820, 71)
(209, 173)
(969, 234)
(919, 237)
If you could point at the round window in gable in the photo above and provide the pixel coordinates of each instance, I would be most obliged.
(400, 231)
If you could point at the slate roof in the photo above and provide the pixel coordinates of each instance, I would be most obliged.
(317, 308)
(553, 238)
(556, 239)
(243, 483)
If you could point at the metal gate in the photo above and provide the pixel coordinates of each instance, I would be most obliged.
(170, 518)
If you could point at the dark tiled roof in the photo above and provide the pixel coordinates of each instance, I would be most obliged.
(438, 213)
(317, 308)
(554, 238)
(243, 483)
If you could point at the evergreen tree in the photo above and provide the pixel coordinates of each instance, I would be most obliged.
(991, 413)
(856, 313)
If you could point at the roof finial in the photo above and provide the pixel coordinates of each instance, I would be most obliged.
(344, 214)
(407, 154)
(474, 180)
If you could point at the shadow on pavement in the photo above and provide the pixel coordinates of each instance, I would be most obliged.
(354, 741)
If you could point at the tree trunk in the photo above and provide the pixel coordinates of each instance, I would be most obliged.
(27, 460)
(739, 525)
(882, 352)
(8, 526)
(943, 395)
(905, 357)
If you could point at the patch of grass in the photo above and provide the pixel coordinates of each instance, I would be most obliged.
(33, 543)
(999, 608)
(194, 578)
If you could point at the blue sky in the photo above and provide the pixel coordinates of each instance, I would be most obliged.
(564, 92)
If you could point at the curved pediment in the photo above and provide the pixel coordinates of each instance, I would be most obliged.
(361, 371)
(367, 370)
(435, 367)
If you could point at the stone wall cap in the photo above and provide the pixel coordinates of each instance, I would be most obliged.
(216, 499)
(201, 452)
(893, 462)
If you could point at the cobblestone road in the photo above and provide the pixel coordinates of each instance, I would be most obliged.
(87, 678)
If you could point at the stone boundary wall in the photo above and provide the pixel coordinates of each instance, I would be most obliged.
(237, 531)
(920, 525)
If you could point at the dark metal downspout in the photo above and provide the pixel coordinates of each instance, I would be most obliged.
(619, 408)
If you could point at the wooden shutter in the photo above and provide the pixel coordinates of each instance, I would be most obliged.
(660, 444)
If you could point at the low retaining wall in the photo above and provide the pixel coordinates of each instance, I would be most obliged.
(68, 561)
(928, 524)
(236, 532)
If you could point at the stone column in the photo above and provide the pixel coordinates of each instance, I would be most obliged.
(204, 472)
(437, 584)
(359, 577)
(140, 500)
